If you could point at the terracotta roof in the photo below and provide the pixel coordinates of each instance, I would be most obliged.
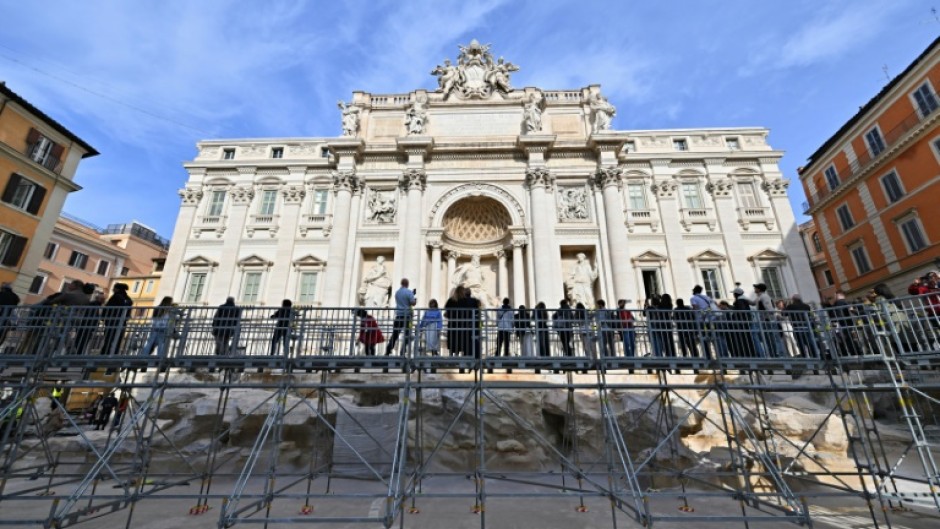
(13, 96)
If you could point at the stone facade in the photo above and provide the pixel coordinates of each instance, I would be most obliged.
(652, 210)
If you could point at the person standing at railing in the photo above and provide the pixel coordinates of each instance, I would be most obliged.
(114, 318)
(800, 316)
(661, 319)
(8, 302)
(105, 407)
(504, 320)
(523, 325)
(607, 322)
(87, 318)
(469, 317)
(740, 341)
(370, 334)
(542, 336)
(451, 312)
(404, 301)
(627, 330)
(686, 328)
(44, 322)
(562, 321)
(162, 327)
(225, 325)
(431, 325)
(283, 318)
(584, 325)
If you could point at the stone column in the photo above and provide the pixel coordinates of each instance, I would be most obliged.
(172, 281)
(503, 275)
(679, 281)
(413, 182)
(518, 274)
(609, 180)
(226, 283)
(283, 257)
(451, 267)
(436, 272)
(547, 277)
(344, 184)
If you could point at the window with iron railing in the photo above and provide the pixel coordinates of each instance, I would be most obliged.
(925, 99)
(42, 150)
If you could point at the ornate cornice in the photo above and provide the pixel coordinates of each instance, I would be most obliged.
(293, 194)
(345, 181)
(413, 179)
(539, 176)
(242, 194)
(608, 176)
(666, 189)
(191, 196)
(720, 188)
(776, 187)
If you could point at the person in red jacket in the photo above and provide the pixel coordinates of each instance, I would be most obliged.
(369, 332)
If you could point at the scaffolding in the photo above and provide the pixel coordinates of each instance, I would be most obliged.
(620, 397)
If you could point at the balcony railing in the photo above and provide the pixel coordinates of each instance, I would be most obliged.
(690, 216)
(641, 216)
(865, 159)
(310, 221)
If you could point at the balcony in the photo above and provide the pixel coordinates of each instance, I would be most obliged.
(264, 222)
(209, 223)
(316, 221)
(690, 216)
(636, 217)
(866, 160)
(755, 214)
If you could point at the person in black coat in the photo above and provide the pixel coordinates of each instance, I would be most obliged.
(453, 324)
(468, 309)
(8, 302)
(225, 326)
(542, 337)
(283, 318)
(562, 321)
(87, 322)
(114, 317)
(687, 328)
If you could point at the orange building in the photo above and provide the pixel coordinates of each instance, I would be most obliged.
(873, 185)
(38, 160)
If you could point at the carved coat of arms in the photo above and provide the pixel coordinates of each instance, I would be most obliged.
(476, 75)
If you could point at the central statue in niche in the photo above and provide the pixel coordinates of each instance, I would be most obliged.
(470, 276)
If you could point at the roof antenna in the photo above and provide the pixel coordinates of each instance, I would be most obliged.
(935, 16)
(884, 68)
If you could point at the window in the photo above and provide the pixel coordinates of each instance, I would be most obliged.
(42, 150)
(733, 144)
(892, 186)
(23, 194)
(629, 146)
(913, 234)
(680, 144)
(197, 283)
(747, 194)
(636, 196)
(103, 267)
(149, 288)
(136, 288)
(228, 154)
(828, 275)
(925, 99)
(860, 256)
(770, 275)
(817, 244)
(832, 177)
(124, 271)
(51, 249)
(39, 281)
(268, 197)
(251, 287)
(308, 288)
(691, 196)
(11, 248)
(320, 197)
(324, 152)
(78, 259)
(845, 217)
(216, 202)
(876, 143)
(711, 282)
(277, 152)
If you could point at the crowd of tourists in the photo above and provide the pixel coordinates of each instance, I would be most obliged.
(749, 326)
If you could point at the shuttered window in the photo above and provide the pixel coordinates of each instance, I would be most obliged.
(24, 194)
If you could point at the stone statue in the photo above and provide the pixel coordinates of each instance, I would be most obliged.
(350, 118)
(580, 283)
(532, 115)
(470, 276)
(572, 204)
(604, 112)
(382, 206)
(417, 116)
(448, 77)
(376, 285)
(498, 75)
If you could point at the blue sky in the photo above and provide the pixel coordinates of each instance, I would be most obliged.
(143, 81)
